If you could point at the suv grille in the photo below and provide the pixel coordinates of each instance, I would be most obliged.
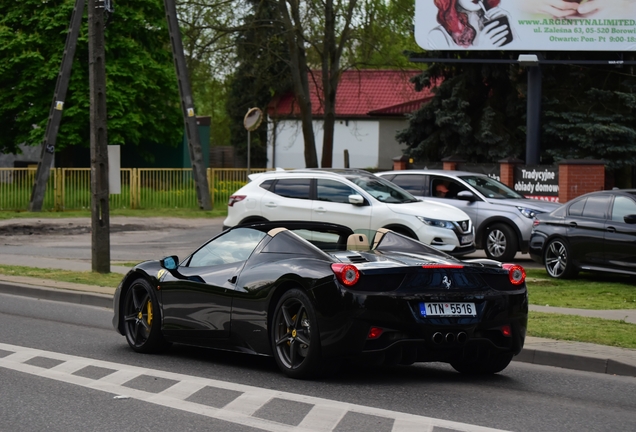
(464, 225)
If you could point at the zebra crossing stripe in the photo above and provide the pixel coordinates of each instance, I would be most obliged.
(324, 415)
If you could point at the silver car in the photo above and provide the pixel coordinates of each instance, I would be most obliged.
(502, 218)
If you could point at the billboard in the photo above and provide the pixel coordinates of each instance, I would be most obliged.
(534, 25)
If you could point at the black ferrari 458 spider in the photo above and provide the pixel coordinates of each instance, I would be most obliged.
(311, 294)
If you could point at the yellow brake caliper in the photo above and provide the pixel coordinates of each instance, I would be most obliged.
(149, 309)
(293, 333)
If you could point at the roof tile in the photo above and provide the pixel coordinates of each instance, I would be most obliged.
(361, 93)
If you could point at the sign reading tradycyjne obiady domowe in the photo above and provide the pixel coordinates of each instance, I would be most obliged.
(536, 25)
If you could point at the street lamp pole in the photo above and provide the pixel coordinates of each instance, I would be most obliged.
(533, 114)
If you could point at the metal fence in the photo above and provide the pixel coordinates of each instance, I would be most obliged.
(70, 188)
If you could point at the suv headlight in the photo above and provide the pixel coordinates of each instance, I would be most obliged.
(437, 223)
(528, 212)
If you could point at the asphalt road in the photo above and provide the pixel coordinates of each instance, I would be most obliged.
(41, 393)
(132, 239)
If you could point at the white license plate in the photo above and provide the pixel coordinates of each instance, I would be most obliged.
(447, 309)
(467, 239)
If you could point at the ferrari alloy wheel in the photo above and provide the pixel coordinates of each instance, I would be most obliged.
(295, 339)
(142, 321)
(489, 364)
(501, 243)
(557, 259)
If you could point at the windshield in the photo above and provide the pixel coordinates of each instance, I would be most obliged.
(382, 190)
(491, 188)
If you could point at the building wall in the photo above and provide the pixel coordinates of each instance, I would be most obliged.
(360, 137)
(30, 156)
(389, 148)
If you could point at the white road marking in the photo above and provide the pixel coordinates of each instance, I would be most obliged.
(323, 417)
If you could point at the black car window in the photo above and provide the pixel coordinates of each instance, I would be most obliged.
(576, 208)
(442, 187)
(596, 207)
(292, 188)
(333, 191)
(623, 206)
(412, 183)
(267, 184)
(381, 189)
(235, 245)
(323, 240)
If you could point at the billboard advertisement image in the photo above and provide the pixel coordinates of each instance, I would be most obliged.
(536, 25)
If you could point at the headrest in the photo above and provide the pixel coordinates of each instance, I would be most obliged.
(357, 242)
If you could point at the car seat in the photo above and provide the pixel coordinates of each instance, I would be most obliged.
(358, 242)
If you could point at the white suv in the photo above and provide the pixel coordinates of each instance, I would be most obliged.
(353, 198)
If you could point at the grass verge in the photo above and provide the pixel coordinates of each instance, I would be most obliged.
(86, 278)
(588, 291)
(582, 329)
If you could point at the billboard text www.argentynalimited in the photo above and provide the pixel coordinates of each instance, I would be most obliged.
(537, 25)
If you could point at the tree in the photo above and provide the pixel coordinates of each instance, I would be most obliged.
(332, 36)
(383, 35)
(478, 111)
(263, 71)
(590, 112)
(208, 28)
(329, 36)
(142, 95)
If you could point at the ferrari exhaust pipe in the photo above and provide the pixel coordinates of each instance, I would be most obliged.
(438, 338)
(450, 337)
(462, 337)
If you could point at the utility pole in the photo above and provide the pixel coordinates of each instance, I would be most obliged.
(55, 113)
(187, 106)
(100, 211)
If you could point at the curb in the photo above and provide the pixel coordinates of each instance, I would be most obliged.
(527, 355)
(575, 362)
(57, 294)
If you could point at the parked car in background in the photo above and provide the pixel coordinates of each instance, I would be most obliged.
(270, 288)
(596, 231)
(353, 198)
(502, 217)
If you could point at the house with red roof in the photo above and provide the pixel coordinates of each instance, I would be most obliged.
(371, 107)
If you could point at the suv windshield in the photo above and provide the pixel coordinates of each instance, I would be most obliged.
(491, 188)
(382, 190)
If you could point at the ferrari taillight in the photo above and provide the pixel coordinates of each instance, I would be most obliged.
(375, 332)
(347, 274)
(516, 273)
(234, 199)
(506, 330)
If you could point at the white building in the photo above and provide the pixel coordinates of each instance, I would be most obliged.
(371, 107)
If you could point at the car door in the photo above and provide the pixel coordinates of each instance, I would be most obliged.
(288, 199)
(620, 237)
(197, 296)
(585, 228)
(332, 205)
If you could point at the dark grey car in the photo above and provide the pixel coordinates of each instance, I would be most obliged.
(502, 217)
(593, 232)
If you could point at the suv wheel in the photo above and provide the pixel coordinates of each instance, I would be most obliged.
(500, 243)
